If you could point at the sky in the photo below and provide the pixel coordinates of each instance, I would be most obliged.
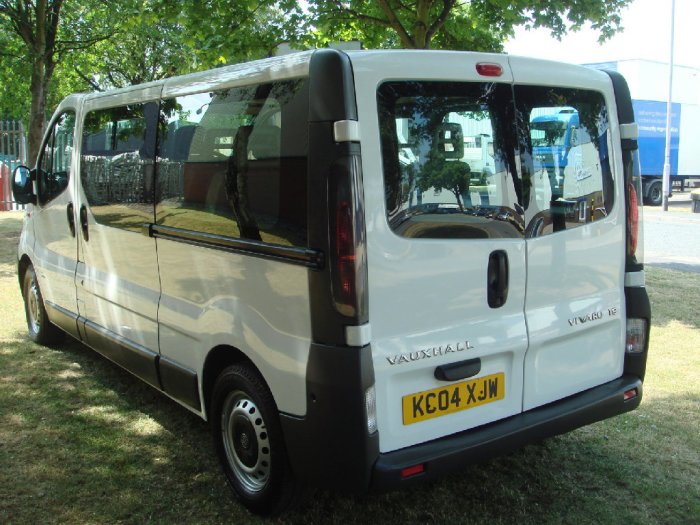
(646, 35)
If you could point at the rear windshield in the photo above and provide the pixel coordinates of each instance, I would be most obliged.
(449, 157)
(446, 164)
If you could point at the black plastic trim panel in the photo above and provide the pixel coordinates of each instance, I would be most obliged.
(623, 98)
(179, 382)
(456, 451)
(138, 360)
(331, 99)
(330, 445)
(625, 115)
(64, 319)
(332, 89)
(289, 254)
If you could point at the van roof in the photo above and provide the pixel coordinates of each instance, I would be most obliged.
(288, 66)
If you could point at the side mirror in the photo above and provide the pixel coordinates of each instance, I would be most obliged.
(22, 185)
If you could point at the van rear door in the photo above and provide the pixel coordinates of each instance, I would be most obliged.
(574, 228)
(445, 247)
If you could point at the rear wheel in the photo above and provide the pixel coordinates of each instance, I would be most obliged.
(248, 441)
(38, 325)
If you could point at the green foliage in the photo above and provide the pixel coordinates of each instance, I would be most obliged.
(14, 75)
(102, 45)
(226, 32)
(479, 25)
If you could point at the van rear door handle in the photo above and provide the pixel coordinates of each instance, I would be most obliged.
(71, 218)
(497, 279)
(84, 222)
(459, 370)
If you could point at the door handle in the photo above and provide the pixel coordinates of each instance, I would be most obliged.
(497, 279)
(459, 370)
(84, 222)
(71, 218)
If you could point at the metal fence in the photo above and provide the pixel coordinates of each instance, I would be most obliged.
(13, 152)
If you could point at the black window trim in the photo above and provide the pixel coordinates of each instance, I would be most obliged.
(50, 133)
(310, 258)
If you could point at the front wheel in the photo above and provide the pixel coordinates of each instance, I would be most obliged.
(38, 325)
(248, 440)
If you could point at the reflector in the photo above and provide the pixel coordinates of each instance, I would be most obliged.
(412, 471)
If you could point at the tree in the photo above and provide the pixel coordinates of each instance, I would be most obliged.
(479, 25)
(143, 49)
(225, 31)
(47, 36)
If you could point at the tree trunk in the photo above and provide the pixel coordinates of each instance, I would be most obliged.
(420, 26)
(37, 114)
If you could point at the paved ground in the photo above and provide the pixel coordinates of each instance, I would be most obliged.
(672, 238)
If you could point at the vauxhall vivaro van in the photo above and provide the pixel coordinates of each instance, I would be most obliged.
(364, 269)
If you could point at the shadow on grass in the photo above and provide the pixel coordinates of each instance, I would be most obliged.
(94, 444)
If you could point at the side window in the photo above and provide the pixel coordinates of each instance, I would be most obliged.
(116, 164)
(55, 160)
(448, 166)
(233, 163)
(564, 148)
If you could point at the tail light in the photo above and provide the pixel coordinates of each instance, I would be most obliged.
(633, 190)
(632, 220)
(349, 260)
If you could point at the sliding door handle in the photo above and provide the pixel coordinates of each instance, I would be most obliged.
(71, 218)
(84, 222)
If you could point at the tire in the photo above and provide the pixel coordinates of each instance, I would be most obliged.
(40, 329)
(655, 196)
(248, 441)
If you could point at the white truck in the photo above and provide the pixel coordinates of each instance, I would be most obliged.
(649, 90)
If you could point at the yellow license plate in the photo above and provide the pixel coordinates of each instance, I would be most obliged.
(453, 398)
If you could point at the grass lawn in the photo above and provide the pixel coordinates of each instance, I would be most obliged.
(82, 441)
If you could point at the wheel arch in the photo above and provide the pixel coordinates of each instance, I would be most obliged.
(218, 359)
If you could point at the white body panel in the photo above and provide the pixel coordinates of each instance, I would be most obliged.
(212, 298)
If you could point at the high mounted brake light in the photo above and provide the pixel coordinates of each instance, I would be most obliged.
(489, 69)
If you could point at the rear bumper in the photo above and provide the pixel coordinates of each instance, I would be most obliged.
(453, 452)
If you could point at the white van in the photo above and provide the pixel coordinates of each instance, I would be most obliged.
(297, 250)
